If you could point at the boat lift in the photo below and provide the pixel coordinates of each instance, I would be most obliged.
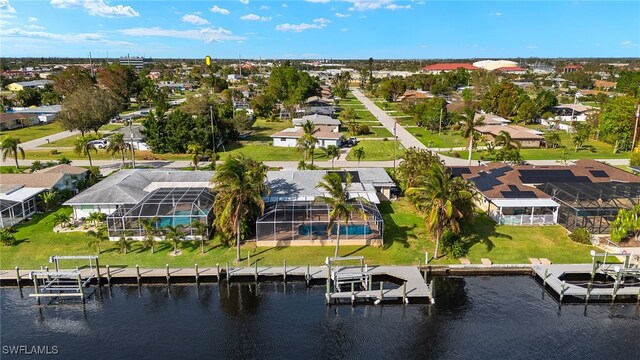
(63, 283)
(349, 277)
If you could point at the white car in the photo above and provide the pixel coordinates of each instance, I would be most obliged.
(99, 144)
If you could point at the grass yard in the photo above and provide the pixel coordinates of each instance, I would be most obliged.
(32, 132)
(447, 139)
(405, 243)
(378, 132)
(267, 152)
(377, 150)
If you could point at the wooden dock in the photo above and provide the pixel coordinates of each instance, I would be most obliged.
(551, 277)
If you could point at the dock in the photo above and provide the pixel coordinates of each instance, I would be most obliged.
(403, 283)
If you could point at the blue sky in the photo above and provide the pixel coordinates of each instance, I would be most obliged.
(321, 29)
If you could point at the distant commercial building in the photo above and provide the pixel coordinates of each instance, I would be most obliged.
(447, 67)
(136, 61)
(494, 64)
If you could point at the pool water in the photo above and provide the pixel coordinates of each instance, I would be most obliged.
(321, 230)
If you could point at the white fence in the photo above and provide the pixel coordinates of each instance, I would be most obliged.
(523, 219)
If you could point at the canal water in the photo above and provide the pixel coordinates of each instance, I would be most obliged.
(473, 318)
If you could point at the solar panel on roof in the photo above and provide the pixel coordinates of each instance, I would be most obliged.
(539, 176)
(457, 171)
(518, 194)
(599, 173)
(485, 182)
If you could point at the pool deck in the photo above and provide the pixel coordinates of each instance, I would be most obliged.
(553, 273)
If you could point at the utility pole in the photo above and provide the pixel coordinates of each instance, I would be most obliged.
(91, 64)
(635, 129)
(440, 127)
(133, 157)
(213, 133)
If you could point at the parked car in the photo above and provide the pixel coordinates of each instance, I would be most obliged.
(99, 144)
(351, 142)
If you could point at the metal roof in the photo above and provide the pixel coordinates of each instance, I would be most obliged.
(528, 202)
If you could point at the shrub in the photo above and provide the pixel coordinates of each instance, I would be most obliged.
(54, 152)
(635, 159)
(452, 245)
(363, 129)
(455, 154)
(6, 237)
(581, 235)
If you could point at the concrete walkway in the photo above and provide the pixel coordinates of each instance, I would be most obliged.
(34, 144)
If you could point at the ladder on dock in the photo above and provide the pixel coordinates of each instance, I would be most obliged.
(350, 279)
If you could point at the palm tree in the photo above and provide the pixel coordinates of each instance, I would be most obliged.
(150, 227)
(6, 236)
(332, 152)
(117, 145)
(10, 148)
(504, 139)
(83, 146)
(175, 235)
(200, 230)
(196, 151)
(61, 219)
(445, 200)
(341, 205)
(96, 237)
(96, 218)
(469, 124)
(359, 154)
(124, 244)
(307, 142)
(239, 186)
(49, 199)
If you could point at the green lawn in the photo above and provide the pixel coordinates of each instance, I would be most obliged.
(405, 243)
(377, 150)
(32, 132)
(378, 132)
(267, 152)
(446, 139)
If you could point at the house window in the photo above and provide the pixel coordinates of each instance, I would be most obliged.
(283, 139)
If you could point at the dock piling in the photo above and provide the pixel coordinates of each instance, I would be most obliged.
(562, 290)
(546, 275)
(218, 271)
(80, 287)
(256, 270)
(108, 276)
(228, 273)
(616, 284)
(138, 274)
(307, 276)
(197, 274)
(284, 273)
(18, 276)
(432, 291)
(168, 275)
(98, 276)
(405, 300)
(328, 295)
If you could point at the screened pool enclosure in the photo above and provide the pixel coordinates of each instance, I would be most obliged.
(177, 207)
(306, 223)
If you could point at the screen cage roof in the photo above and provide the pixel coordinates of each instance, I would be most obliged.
(595, 195)
(172, 202)
(287, 211)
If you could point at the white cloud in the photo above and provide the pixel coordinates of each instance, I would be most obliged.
(6, 8)
(319, 1)
(97, 8)
(497, 13)
(254, 17)
(341, 15)
(244, 1)
(206, 34)
(363, 5)
(397, 7)
(285, 5)
(344, 29)
(219, 10)
(32, 19)
(194, 19)
(629, 44)
(64, 38)
(34, 27)
(320, 23)
(264, 7)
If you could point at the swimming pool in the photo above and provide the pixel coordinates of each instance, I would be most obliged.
(180, 218)
(321, 230)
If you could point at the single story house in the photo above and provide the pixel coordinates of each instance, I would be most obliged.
(16, 120)
(525, 136)
(34, 84)
(538, 195)
(294, 215)
(491, 119)
(565, 114)
(511, 70)
(325, 135)
(19, 192)
(134, 134)
(415, 95)
(318, 120)
(45, 114)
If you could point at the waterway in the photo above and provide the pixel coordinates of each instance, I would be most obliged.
(473, 318)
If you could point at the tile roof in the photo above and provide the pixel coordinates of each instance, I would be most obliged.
(36, 180)
(449, 67)
(510, 68)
